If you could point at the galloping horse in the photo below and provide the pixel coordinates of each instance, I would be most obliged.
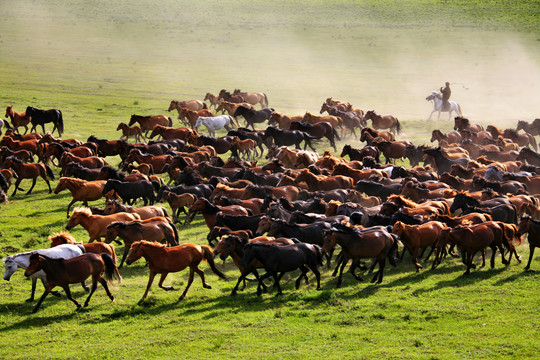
(41, 117)
(61, 272)
(253, 98)
(383, 122)
(194, 105)
(214, 100)
(128, 131)
(214, 123)
(96, 225)
(147, 123)
(81, 190)
(438, 106)
(17, 119)
(163, 260)
(192, 116)
(28, 171)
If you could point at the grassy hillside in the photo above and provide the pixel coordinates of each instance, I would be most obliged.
(99, 62)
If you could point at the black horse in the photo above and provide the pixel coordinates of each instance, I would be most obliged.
(318, 130)
(200, 190)
(253, 116)
(373, 188)
(80, 172)
(462, 201)
(361, 154)
(289, 137)
(41, 117)
(443, 163)
(278, 260)
(131, 191)
(240, 222)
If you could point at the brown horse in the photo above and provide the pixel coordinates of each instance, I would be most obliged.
(253, 98)
(209, 211)
(157, 229)
(147, 123)
(63, 237)
(96, 225)
(357, 244)
(392, 149)
(194, 105)
(450, 137)
(323, 183)
(244, 147)
(220, 231)
(28, 171)
(383, 122)
(335, 121)
(30, 145)
(18, 119)
(129, 131)
(416, 237)
(62, 272)
(461, 123)
(521, 139)
(178, 202)
(192, 116)
(169, 133)
(163, 260)
(340, 105)
(145, 212)
(159, 163)
(81, 190)
(214, 100)
(346, 170)
(90, 162)
(283, 121)
(231, 107)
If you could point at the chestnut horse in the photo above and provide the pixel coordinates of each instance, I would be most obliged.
(96, 225)
(194, 105)
(253, 98)
(81, 190)
(192, 116)
(28, 171)
(383, 122)
(147, 123)
(532, 227)
(128, 131)
(62, 272)
(461, 123)
(18, 119)
(209, 211)
(163, 260)
(323, 183)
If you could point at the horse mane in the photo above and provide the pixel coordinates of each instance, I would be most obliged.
(63, 235)
(152, 244)
(82, 210)
(511, 132)
(401, 201)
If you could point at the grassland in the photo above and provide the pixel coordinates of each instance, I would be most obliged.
(99, 62)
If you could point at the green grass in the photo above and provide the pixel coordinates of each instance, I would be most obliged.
(100, 62)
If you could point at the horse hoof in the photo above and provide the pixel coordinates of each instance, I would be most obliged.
(32, 299)
(181, 298)
(206, 286)
(34, 311)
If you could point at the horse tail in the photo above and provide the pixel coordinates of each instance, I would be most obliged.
(111, 271)
(204, 106)
(175, 231)
(170, 121)
(49, 172)
(398, 126)
(265, 100)
(459, 110)
(60, 123)
(165, 212)
(318, 252)
(113, 256)
(336, 133)
(208, 255)
(393, 250)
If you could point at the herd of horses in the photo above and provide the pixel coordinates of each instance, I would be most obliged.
(476, 189)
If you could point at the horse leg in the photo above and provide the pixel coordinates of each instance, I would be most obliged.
(303, 274)
(34, 281)
(201, 274)
(313, 267)
(36, 308)
(33, 184)
(414, 253)
(190, 280)
(339, 259)
(16, 185)
(343, 263)
(531, 253)
(382, 264)
(124, 255)
(161, 280)
(150, 280)
(94, 287)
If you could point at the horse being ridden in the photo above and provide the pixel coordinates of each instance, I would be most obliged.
(438, 106)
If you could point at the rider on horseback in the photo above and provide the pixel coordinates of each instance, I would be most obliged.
(446, 96)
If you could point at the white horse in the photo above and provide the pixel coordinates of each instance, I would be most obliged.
(22, 260)
(214, 123)
(437, 106)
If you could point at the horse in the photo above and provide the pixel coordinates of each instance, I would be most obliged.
(227, 96)
(96, 225)
(221, 231)
(323, 183)
(214, 100)
(351, 120)
(41, 117)
(244, 147)
(63, 237)
(28, 171)
(159, 162)
(438, 106)
(194, 105)
(56, 150)
(114, 206)
(318, 130)
(192, 116)
(4, 123)
(214, 123)
(22, 260)
(356, 244)
(288, 137)
(532, 227)
(18, 119)
(383, 122)
(450, 137)
(131, 191)
(81, 190)
(253, 98)
(62, 272)
(280, 259)
(157, 229)
(335, 121)
(532, 129)
(521, 139)
(283, 121)
(253, 116)
(163, 260)
(91, 162)
(528, 155)
(461, 123)
(128, 131)
(416, 237)
(209, 211)
(147, 123)
(443, 163)
(30, 145)
(230, 107)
